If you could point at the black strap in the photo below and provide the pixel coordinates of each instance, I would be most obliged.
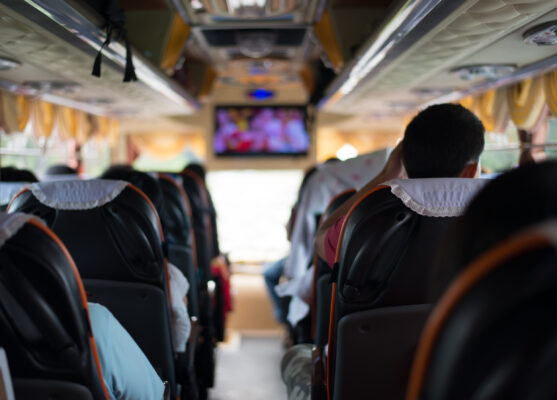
(97, 64)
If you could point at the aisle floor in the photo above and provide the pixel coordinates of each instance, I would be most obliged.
(248, 368)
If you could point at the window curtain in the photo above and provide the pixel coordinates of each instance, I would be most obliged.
(492, 109)
(550, 90)
(15, 112)
(526, 101)
(43, 115)
(67, 120)
(164, 146)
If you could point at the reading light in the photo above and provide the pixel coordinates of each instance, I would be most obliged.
(52, 86)
(542, 35)
(7, 64)
(486, 71)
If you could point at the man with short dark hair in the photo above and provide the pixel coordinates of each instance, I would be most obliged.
(442, 141)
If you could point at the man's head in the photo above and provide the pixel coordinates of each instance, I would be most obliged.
(444, 140)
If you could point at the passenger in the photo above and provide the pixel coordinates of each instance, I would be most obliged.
(444, 140)
(12, 174)
(179, 285)
(127, 373)
(275, 270)
(510, 203)
(60, 172)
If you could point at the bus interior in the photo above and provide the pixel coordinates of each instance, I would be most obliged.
(217, 139)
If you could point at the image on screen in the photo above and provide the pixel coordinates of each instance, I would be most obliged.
(278, 130)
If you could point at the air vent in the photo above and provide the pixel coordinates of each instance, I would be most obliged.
(227, 37)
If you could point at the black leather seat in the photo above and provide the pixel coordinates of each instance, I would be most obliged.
(8, 190)
(321, 299)
(44, 322)
(176, 216)
(380, 297)
(113, 232)
(493, 334)
(202, 227)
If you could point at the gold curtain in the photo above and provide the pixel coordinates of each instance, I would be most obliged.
(43, 115)
(470, 102)
(15, 112)
(84, 127)
(493, 111)
(550, 90)
(526, 101)
(67, 120)
(113, 132)
(161, 145)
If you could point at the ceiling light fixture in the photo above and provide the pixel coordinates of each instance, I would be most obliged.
(542, 35)
(483, 71)
(247, 8)
(256, 44)
(7, 64)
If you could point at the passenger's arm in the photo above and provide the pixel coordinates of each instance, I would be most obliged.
(394, 168)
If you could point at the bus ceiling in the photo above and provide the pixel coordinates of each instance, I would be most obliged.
(367, 57)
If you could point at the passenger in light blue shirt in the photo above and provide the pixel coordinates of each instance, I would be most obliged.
(127, 373)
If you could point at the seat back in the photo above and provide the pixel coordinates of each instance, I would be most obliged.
(113, 232)
(8, 190)
(387, 246)
(493, 334)
(321, 288)
(176, 216)
(201, 220)
(378, 346)
(40, 389)
(44, 320)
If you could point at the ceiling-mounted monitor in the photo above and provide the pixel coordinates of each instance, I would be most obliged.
(260, 130)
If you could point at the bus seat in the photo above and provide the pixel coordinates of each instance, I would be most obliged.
(8, 190)
(493, 334)
(176, 218)
(41, 389)
(113, 232)
(44, 321)
(388, 335)
(386, 251)
(320, 304)
(202, 227)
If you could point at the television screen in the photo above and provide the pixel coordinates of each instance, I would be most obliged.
(257, 131)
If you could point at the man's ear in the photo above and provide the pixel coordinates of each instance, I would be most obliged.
(470, 170)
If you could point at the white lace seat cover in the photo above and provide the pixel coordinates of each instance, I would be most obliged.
(9, 189)
(77, 194)
(436, 197)
(10, 224)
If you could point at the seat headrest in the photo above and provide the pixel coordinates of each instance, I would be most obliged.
(77, 194)
(9, 190)
(436, 197)
(10, 224)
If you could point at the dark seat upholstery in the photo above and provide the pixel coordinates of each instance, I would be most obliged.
(40, 389)
(176, 218)
(44, 321)
(114, 235)
(321, 307)
(202, 227)
(387, 247)
(493, 334)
